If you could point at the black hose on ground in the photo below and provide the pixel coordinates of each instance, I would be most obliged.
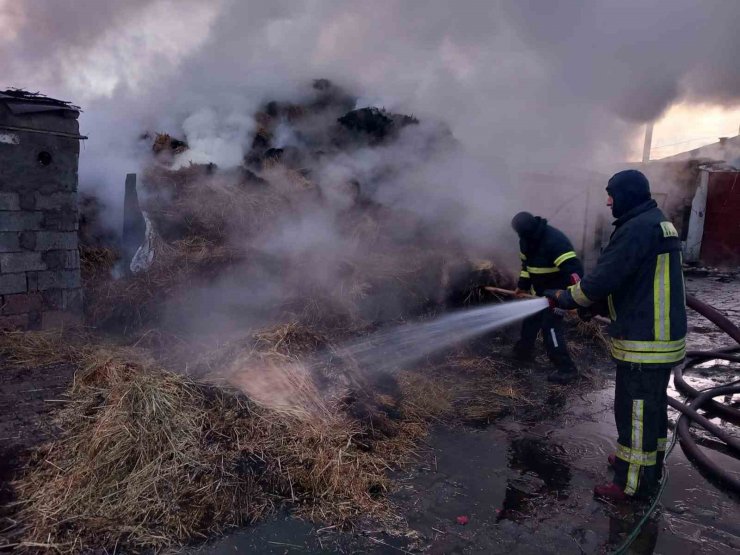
(694, 452)
(719, 409)
(714, 316)
(705, 399)
(690, 412)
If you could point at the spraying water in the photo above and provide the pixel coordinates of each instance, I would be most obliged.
(395, 347)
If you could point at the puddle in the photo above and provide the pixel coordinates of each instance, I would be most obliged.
(527, 489)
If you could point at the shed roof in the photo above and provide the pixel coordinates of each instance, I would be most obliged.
(21, 102)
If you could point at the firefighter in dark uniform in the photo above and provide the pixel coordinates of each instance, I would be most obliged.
(638, 282)
(548, 262)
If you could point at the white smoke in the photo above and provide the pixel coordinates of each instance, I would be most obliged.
(527, 88)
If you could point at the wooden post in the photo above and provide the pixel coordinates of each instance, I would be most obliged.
(133, 221)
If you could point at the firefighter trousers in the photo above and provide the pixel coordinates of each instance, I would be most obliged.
(551, 325)
(641, 414)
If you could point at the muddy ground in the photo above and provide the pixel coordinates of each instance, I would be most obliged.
(525, 481)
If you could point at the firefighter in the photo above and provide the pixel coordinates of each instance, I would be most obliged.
(548, 262)
(638, 282)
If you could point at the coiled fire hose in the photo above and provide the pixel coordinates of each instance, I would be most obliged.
(705, 399)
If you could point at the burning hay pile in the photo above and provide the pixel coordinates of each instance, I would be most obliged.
(149, 458)
(296, 225)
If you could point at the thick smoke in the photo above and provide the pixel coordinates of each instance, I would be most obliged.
(544, 99)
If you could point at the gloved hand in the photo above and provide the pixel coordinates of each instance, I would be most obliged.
(585, 314)
(520, 293)
(553, 296)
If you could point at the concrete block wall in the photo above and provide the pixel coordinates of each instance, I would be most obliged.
(40, 285)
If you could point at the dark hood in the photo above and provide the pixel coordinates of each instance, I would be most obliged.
(529, 228)
(628, 189)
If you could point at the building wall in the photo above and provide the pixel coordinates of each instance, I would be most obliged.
(39, 259)
(720, 245)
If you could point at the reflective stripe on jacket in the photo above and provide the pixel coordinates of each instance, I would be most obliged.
(639, 276)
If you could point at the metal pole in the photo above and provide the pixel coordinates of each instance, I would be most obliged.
(648, 142)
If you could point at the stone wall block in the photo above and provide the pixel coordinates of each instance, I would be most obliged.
(20, 303)
(60, 221)
(9, 241)
(57, 201)
(59, 279)
(20, 221)
(9, 201)
(27, 240)
(12, 283)
(14, 262)
(56, 240)
(27, 200)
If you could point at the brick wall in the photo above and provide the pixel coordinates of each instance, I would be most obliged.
(39, 258)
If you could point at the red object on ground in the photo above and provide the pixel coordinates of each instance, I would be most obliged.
(462, 520)
(612, 492)
(612, 459)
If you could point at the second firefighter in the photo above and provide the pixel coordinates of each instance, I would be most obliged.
(548, 262)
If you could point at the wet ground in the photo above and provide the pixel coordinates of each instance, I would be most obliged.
(524, 484)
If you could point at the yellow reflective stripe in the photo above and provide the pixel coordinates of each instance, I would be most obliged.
(612, 310)
(662, 443)
(668, 229)
(633, 474)
(539, 270)
(524, 274)
(638, 407)
(650, 352)
(632, 479)
(579, 296)
(648, 358)
(636, 456)
(661, 298)
(565, 256)
(649, 346)
(522, 256)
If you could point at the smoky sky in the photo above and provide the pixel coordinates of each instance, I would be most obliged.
(536, 83)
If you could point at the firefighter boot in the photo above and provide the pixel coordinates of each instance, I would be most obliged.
(611, 492)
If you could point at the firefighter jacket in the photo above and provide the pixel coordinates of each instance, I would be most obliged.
(548, 259)
(639, 276)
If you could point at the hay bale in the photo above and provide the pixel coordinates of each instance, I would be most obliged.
(149, 459)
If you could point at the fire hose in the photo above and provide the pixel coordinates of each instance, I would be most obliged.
(705, 399)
